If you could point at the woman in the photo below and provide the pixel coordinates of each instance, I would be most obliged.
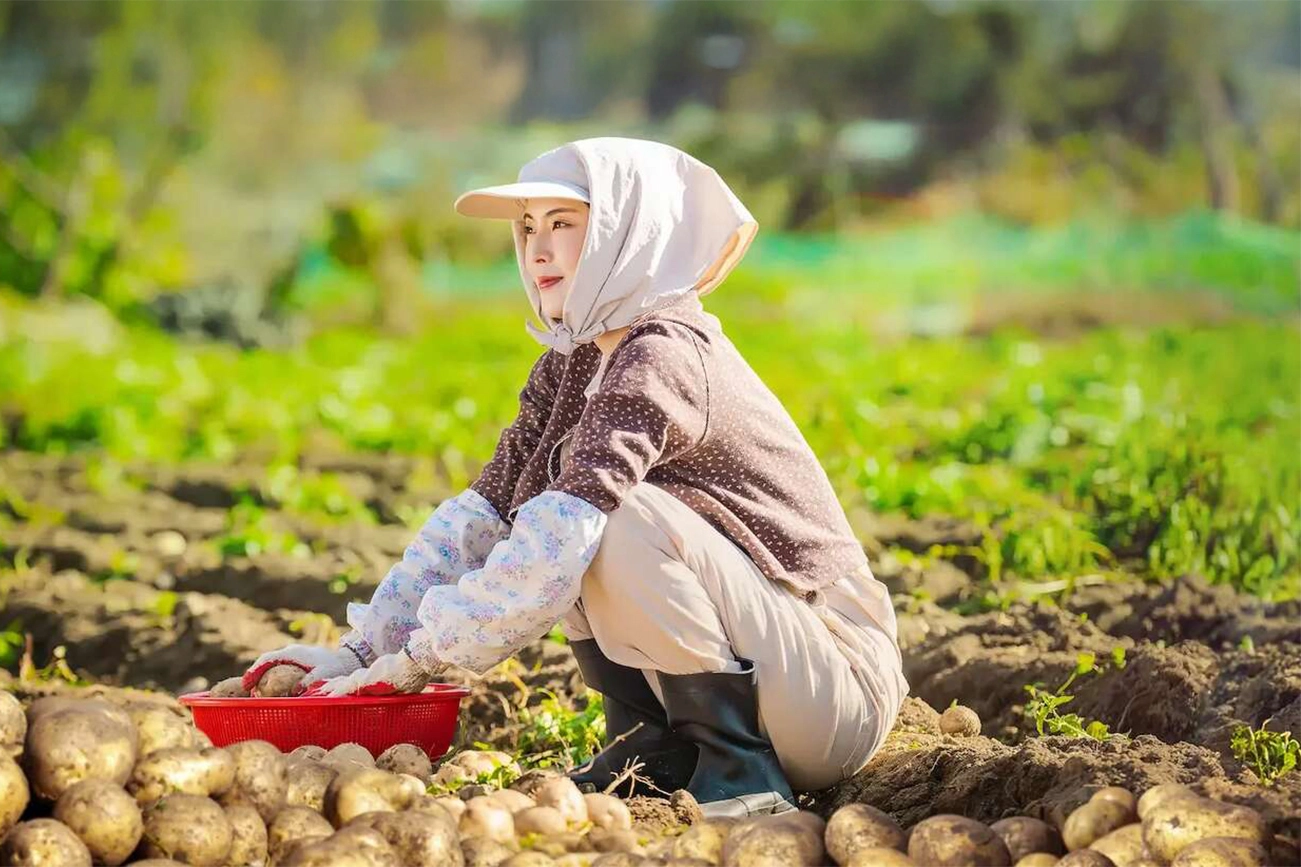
(656, 497)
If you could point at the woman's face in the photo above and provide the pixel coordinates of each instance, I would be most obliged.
(553, 233)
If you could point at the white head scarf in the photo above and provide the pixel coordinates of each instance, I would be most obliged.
(662, 224)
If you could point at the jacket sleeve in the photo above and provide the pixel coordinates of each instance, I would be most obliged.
(529, 581)
(518, 442)
(456, 538)
(652, 405)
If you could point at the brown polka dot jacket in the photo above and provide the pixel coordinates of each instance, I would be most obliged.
(679, 407)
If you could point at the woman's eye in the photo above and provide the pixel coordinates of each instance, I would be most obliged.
(559, 223)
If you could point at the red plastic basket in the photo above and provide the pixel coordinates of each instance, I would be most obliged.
(426, 719)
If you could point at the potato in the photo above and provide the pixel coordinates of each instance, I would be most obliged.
(1093, 820)
(43, 843)
(1222, 852)
(960, 721)
(1120, 795)
(248, 843)
(607, 811)
(576, 859)
(261, 778)
(530, 780)
(406, 759)
(307, 751)
(703, 840)
(291, 826)
(614, 840)
(1023, 835)
(512, 800)
(629, 859)
(539, 820)
(879, 856)
(13, 725)
(562, 794)
(443, 804)
(775, 841)
(529, 859)
(556, 845)
(159, 727)
(231, 687)
(188, 828)
(351, 847)
(182, 770)
(418, 839)
(156, 862)
(347, 757)
(14, 794)
(1177, 823)
(484, 817)
(368, 789)
(78, 742)
(104, 817)
(1123, 846)
(1158, 795)
(860, 826)
(947, 839)
(1038, 859)
(482, 761)
(1085, 858)
(279, 681)
(484, 851)
(308, 782)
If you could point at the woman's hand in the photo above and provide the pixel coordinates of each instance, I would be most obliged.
(391, 674)
(320, 663)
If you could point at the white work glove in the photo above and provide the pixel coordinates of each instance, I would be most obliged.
(319, 663)
(391, 674)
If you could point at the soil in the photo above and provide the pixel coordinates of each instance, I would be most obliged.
(1198, 660)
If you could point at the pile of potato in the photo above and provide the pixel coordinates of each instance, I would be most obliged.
(87, 781)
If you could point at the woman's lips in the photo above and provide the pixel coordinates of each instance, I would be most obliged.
(548, 282)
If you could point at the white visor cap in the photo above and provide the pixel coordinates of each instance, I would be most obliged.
(506, 201)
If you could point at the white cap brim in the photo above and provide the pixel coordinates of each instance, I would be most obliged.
(506, 201)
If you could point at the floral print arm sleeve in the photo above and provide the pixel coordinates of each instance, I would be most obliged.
(455, 539)
(529, 581)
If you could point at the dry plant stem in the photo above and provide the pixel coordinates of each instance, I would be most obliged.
(604, 749)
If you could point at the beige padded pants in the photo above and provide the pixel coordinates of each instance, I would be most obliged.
(667, 592)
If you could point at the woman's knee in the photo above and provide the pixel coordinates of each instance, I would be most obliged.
(631, 538)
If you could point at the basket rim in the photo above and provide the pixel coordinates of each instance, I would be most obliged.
(434, 693)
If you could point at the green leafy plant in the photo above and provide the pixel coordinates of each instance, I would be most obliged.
(554, 734)
(500, 777)
(1043, 706)
(248, 533)
(12, 641)
(1270, 755)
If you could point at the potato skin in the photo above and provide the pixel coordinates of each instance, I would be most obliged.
(308, 782)
(861, 826)
(350, 847)
(703, 840)
(879, 856)
(418, 839)
(607, 811)
(484, 851)
(1123, 846)
(13, 725)
(1085, 858)
(104, 817)
(43, 843)
(1174, 825)
(406, 759)
(261, 778)
(159, 727)
(960, 721)
(1158, 795)
(775, 841)
(368, 789)
(248, 843)
(1120, 795)
(1093, 820)
(279, 681)
(75, 743)
(291, 825)
(1038, 859)
(1222, 852)
(231, 687)
(183, 770)
(188, 828)
(948, 840)
(1023, 836)
(14, 793)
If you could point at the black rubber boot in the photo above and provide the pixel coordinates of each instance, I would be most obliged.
(668, 758)
(738, 773)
